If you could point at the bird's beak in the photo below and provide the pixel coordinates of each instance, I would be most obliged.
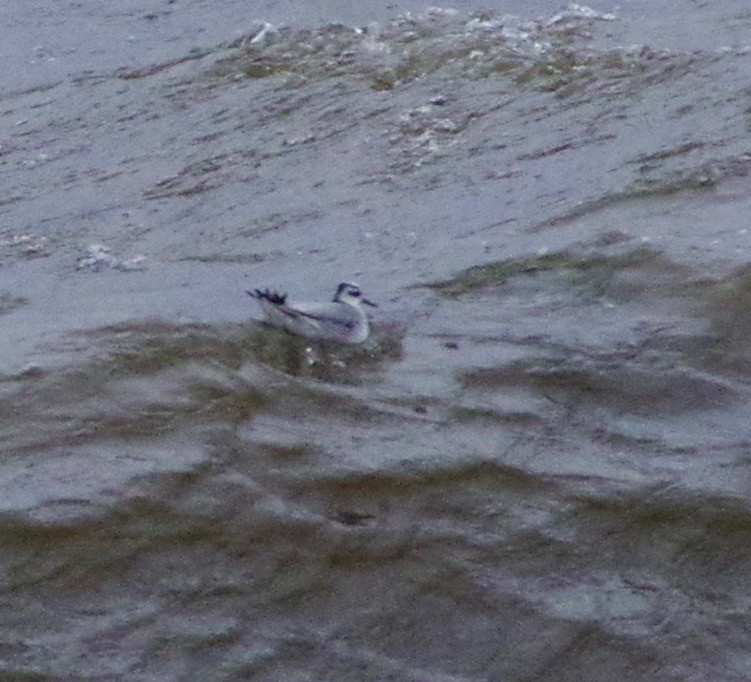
(370, 303)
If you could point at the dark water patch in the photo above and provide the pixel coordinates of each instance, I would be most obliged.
(638, 192)
(482, 413)
(137, 348)
(627, 382)
(656, 182)
(202, 511)
(7, 201)
(36, 89)
(401, 512)
(201, 176)
(262, 69)
(323, 361)
(9, 302)
(155, 397)
(139, 381)
(724, 303)
(178, 187)
(707, 174)
(680, 150)
(144, 72)
(276, 222)
(207, 555)
(698, 542)
(13, 673)
(666, 504)
(232, 258)
(84, 554)
(593, 270)
(728, 308)
(410, 479)
(226, 403)
(141, 348)
(550, 151)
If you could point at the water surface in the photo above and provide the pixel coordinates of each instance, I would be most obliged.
(540, 471)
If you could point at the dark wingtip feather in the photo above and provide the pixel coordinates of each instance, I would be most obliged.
(266, 294)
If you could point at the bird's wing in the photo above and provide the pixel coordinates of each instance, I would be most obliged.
(326, 314)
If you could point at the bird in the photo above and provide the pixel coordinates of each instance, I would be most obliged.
(342, 320)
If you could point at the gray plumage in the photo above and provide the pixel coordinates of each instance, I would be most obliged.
(342, 320)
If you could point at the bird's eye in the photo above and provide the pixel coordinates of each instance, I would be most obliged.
(355, 292)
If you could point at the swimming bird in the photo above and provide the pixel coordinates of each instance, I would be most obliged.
(343, 320)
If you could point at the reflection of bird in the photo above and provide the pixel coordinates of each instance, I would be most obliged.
(343, 320)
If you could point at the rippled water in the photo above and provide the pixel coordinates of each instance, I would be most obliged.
(540, 470)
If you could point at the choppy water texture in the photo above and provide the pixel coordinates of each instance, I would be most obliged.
(542, 470)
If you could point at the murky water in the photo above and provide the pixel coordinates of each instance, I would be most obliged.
(541, 469)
